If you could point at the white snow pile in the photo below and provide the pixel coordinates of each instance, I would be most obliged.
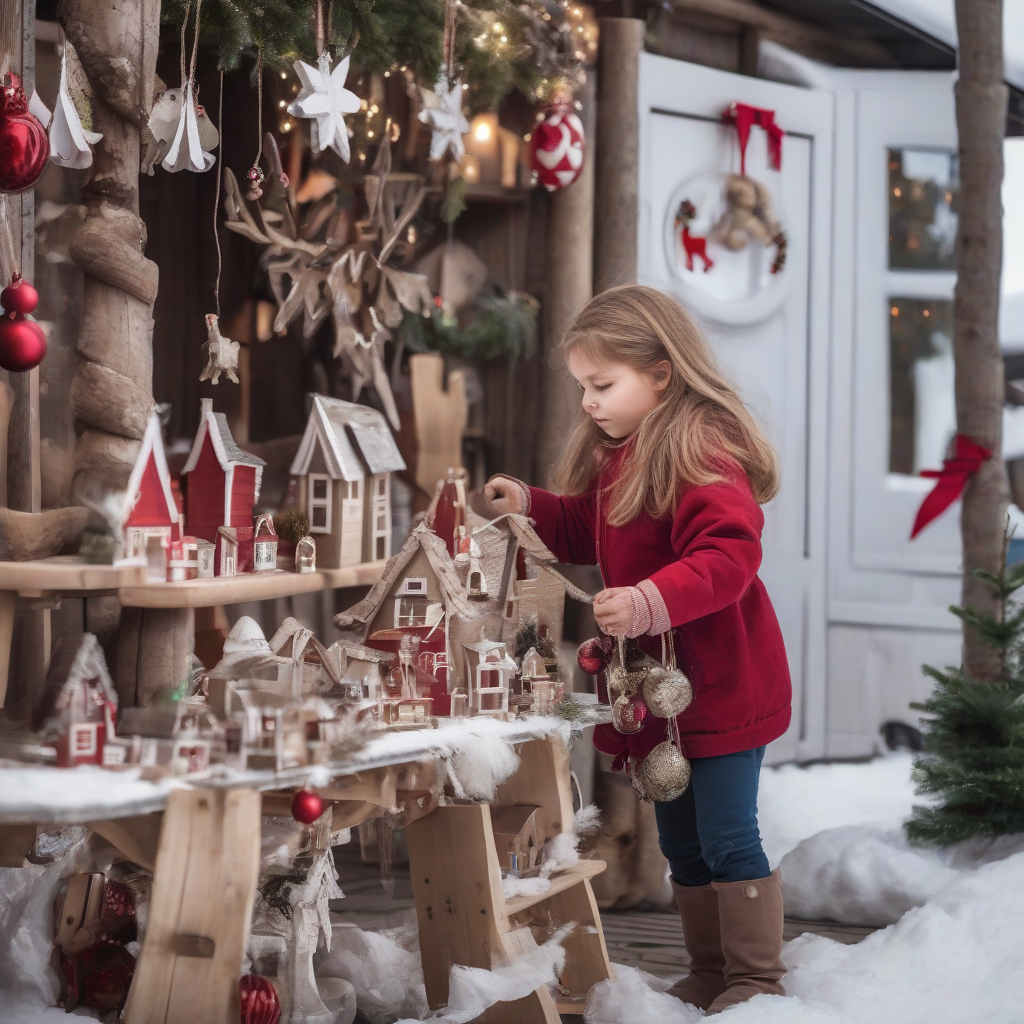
(384, 969)
(871, 875)
(956, 960)
(795, 803)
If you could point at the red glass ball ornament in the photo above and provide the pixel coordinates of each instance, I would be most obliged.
(259, 1002)
(22, 343)
(593, 655)
(24, 147)
(556, 146)
(307, 806)
(19, 297)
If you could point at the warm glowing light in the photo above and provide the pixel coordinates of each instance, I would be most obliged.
(465, 86)
(282, 104)
(897, 192)
(526, 137)
(482, 131)
(364, 105)
(497, 28)
(387, 74)
(287, 126)
(926, 312)
(369, 135)
(895, 310)
(374, 108)
(284, 74)
(504, 39)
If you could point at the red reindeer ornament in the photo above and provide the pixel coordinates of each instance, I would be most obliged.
(693, 245)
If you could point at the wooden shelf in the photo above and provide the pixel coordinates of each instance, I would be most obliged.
(250, 586)
(559, 883)
(72, 576)
(67, 575)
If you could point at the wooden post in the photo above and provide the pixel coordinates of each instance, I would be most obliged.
(981, 99)
(570, 286)
(617, 152)
(112, 390)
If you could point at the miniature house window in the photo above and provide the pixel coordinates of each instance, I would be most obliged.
(355, 489)
(411, 602)
(924, 192)
(319, 503)
(381, 486)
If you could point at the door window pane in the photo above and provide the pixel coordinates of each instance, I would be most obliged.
(924, 196)
(922, 411)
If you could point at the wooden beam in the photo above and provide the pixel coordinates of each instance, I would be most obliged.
(802, 36)
(616, 209)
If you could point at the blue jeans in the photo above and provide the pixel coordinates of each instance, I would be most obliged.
(710, 832)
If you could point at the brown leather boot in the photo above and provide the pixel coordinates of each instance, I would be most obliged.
(698, 909)
(751, 921)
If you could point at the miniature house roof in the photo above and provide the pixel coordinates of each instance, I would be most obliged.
(440, 562)
(354, 439)
(346, 652)
(245, 635)
(149, 500)
(292, 638)
(215, 426)
(78, 658)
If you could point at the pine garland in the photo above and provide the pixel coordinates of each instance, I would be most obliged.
(975, 737)
(501, 45)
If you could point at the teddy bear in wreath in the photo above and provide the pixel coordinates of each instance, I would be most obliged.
(749, 216)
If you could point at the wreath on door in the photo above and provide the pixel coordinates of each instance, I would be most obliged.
(749, 216)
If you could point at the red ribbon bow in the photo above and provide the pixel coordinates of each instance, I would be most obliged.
(745, 117)
(951, 480)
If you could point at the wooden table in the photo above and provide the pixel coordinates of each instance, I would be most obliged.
(201, 839)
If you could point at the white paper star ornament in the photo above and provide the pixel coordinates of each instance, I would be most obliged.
(325, 99)
(442, 111)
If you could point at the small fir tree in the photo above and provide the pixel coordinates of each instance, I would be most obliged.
(975, 733)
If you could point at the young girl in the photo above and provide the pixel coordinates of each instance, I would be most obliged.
(662, 477)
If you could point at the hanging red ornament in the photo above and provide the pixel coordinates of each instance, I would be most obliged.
(22, 343)
(556, 146)
(24, 147)
(594, 654)
(307, 806)
(259, 1002)
(19, 296)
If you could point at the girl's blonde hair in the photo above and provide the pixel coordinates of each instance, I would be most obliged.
(699, 427)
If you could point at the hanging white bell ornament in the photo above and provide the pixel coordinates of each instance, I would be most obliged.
(325, 100)
(70, 141)
(186, 150)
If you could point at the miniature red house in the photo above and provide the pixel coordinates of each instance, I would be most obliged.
(223, 485)
(150, 520)
(79, 702)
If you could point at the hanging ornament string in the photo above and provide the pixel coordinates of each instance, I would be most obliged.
(9, 262)
(216, 200)
(255, 175)
(184, 39)
(324, 29)
(450, 16)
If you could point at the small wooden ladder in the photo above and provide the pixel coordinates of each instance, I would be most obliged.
(462, 912)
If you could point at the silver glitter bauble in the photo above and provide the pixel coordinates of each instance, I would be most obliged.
(667, 692)
(664, 773)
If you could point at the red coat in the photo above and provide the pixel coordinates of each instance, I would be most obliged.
(703, 563)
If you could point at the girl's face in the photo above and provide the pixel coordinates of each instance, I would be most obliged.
(616, 396)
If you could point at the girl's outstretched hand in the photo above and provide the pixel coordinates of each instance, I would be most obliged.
(613, 610)
(504, 495)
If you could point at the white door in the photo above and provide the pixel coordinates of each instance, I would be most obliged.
(892, 408)
(770, 331)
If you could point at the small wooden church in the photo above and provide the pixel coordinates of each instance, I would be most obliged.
(343, 468)
(223, 485)
(150, 520)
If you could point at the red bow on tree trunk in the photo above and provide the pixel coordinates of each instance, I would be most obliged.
(745, 117)
(951, 480)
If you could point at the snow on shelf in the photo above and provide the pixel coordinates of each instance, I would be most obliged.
(71, 575)
(480, 755)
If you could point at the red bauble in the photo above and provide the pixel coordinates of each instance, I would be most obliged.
(307, 806)
(556, 147)
(19, 297)
(594, 654)
(24, 147)
(22, 343)
(259, 1002)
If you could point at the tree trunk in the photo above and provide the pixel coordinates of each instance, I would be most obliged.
(981, 99)
(112, 391)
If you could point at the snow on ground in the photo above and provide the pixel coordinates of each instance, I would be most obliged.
(956, 960)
